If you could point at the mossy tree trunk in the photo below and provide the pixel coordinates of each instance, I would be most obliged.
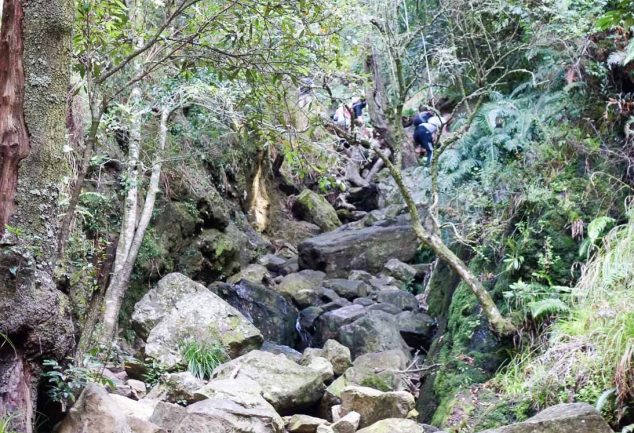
(34, 79)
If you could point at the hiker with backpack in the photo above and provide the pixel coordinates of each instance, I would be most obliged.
(427, 128)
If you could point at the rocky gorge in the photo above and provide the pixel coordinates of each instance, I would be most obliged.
(326, 337)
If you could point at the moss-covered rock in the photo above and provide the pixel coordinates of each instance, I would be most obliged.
(313, 208)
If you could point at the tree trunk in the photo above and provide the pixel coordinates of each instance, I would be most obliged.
(34, 78)
(121, 276)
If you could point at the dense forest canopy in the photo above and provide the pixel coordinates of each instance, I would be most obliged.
(383, 215)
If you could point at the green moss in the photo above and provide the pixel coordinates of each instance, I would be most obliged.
(376, 382)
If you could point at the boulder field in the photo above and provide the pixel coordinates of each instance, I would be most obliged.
(330, 340)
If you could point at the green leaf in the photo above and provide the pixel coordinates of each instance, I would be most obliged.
(547, 307)
(597, 227)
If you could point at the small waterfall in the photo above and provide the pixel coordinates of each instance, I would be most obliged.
(305, 339)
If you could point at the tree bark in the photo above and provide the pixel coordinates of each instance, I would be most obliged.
(14, 140)
(34, 315)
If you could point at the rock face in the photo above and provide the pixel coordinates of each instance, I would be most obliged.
(339, 252)
(202, 316)
(374, 405)
(97, 412)
(563, 418)
(269, 311)
(286, 385)
(159, 301)
(313, 208)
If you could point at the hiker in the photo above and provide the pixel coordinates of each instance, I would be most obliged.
(343, 116)
(428, 126)
(357, 108)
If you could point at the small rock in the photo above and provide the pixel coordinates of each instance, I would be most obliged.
(168, 415)
(308, 317)
(338, 355)
(394, 425)
(349, 289)
(366, 302)
(302, 287)
(321, 365)
(138, 388)
(304, 424)
(336, 412)
(385, 307)
(272, 262)
(278, 349)
(399, 270)
(254, 273)
(347, 424)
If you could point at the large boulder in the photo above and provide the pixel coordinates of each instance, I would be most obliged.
(379, 370)
(400, 298)
(206, 318)
(314, 208)
(96, 411)
(339, 252)
(160, 300)
(376, 331)
(374, 405)
(269, 311)
(303, 287)
(563, 418)
(286, 385)
(233, 406)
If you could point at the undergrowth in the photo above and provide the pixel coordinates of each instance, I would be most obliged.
(590, 351)
(5, 424)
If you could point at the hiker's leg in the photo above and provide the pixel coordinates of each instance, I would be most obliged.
(428, 141)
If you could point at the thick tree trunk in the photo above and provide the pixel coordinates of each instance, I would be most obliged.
(14, 140)
(34, 79)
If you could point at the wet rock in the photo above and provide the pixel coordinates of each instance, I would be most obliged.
(329, 324)
(399, 270)
(285, 384)
(349, 289)
(339, 252)
(206, 318)
(302, 287)
(373, 405)
(160, 300)
(267, 309)
(304, 424)
(314, 208)
(376, 331)
(278, 349)
(562, 418)
(417, 329)
(308, 317)
(400, 298)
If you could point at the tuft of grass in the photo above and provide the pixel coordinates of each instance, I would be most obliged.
(5, 424)
(202, 358)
